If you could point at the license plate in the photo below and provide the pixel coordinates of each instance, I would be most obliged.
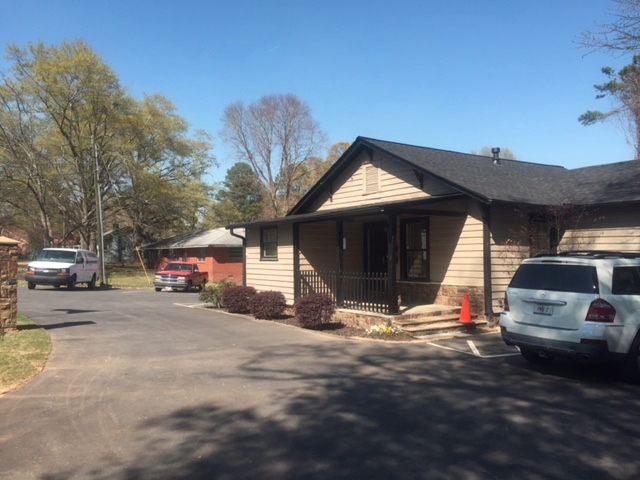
(543, 309)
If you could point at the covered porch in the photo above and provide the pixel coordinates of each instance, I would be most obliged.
(420, 253)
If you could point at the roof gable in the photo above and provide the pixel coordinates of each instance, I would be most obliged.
(473, 175)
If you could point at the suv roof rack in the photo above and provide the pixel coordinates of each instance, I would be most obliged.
(591, 254)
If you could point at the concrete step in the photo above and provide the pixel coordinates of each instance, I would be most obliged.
(437, 321)
(425, 320)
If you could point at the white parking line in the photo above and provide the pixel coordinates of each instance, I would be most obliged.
(473, 348)
(474, 351)
(190, 306)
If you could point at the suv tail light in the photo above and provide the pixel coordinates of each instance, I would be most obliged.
(601, 311)
(505, 303)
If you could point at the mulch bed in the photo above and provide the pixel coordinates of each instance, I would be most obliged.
(341, 330)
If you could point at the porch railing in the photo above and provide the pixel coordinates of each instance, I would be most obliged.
(353, 290)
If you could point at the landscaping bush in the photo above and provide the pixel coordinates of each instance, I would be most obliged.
(267, 305)
(236, 298)
(314, 310)
(212, 293)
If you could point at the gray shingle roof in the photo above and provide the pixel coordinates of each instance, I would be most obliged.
(509, 181)
(601, 184)
(218, 237)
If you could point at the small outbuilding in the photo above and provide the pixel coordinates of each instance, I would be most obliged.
(218, 252)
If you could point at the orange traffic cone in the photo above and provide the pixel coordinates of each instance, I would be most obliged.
(465, 312)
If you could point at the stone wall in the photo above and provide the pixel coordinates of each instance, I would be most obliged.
(436, 293)
(8, 285)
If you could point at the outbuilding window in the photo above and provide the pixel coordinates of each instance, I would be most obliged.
(269, 243)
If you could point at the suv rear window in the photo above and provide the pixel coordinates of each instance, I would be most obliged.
(556, 277)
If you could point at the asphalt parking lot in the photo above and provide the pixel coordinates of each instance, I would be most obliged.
(142, 385)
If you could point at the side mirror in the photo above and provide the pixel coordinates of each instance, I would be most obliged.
(80, 260)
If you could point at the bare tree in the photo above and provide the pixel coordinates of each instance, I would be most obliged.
(620, 36)
(276, 136)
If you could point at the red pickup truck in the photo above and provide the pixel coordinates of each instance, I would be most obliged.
(180, 276)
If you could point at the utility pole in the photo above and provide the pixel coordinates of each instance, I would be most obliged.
(103, 274)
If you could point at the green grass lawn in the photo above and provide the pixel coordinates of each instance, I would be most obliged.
(129, 277)
(23, 353)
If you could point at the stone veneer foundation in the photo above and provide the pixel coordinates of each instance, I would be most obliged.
(438, 294)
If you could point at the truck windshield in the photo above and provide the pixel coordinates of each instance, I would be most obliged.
(178, 267)
(57, 256)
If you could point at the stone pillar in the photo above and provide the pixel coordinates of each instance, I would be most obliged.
(8, 284)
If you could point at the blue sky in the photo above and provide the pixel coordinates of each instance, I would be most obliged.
(455, 75)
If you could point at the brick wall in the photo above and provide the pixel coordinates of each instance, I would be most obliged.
(217, 262)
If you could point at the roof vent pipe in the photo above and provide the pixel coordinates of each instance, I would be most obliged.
(496, 155)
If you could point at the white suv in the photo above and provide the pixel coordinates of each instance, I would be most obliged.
(583, 305)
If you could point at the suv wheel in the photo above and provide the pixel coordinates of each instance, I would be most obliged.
(631, 368)
(533, 357)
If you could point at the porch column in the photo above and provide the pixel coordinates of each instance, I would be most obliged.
(392, 290)
(296, 261)
(340, 262)
(486, 250)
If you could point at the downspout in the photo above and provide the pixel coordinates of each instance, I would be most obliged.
(244, 256)
(486, 252)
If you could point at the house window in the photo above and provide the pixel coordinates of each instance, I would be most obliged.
(269, 243)
(202, 254)
(414, 237)
(371, 178)
(543, 237)
(235, 252)
(184, 255)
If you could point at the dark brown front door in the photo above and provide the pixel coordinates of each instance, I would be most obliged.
(375, 247)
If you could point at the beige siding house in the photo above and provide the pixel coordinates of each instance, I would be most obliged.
(391, 223)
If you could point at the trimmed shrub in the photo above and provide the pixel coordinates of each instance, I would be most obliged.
(236, 299)
(314, 310)
(267, 305)
(212, 293)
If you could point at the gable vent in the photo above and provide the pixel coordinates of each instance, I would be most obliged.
(371, 178)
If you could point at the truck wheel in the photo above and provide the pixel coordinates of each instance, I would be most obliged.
(158, 289)
(189, 285)
(31, 285)
(72, 283)
(202, 285)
